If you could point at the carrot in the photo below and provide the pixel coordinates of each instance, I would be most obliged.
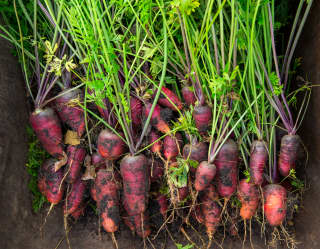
(288, 153)
(75, 197)
(211, 213)
(171, 146)
(202, 116)
(142, 225)
(68, 112)
(188, 95)
(258, 158)
(163, 100)
(98, 161)
(226, 162)
(54, 187)
(134, 172)
(136, 111)
(46, 126)
(93, 192)
(275, 204)
(138, 223)
(163, 205)
(204, 175)
(76, 155)
(248, 195)
(210, 192)
(107, 200)
(157, 119)
(197, 152)
(110, 146)
(78, 212)
(157, 170)
(156, 147)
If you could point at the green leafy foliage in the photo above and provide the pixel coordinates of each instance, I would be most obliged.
(36, 155)
(247, 175)
(180, 246)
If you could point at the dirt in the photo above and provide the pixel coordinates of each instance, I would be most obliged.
(19, 227)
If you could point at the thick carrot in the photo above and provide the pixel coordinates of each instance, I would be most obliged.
(135, 177)
(69, 112)
(75, 197)
(136, 112)
(76, 155)
(197, 152)
(227, 171)
(46, 125)
(110, 146)
(211, 213)
(138, 223)
(157, 120)
(275, 204)
(188, 95)
(157, 146)
(172, 146)
(248, 195)
(210, 192)
(54, 187)
(204, 175)
(78, 212)
(202, 116)
(288, 153)
(258, 158)
(107, 200)
(172, 96)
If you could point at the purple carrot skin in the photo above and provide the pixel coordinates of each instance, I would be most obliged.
(171, 146)
(46, 126)
(248, 195)
(107, 200)
(135, 177)
(110, 146)
(69, 113)
(211, 212)
(93, 192)
(204, 175)
(76, 196)
(76, 155)
(163, 205)
(258, 158)
(157, 120)
(188, 95)
(210, 192)
(54, 187)
(97, 159)
(157, 170)
(202, 116)
(275, 204)
(78, 212)
(227, 170)
(136, 112)
(288, 153)
(197, 152)
(172, 96)
(157, 146)
(134, 222)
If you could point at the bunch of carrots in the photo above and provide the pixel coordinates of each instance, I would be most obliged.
(187, 98)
